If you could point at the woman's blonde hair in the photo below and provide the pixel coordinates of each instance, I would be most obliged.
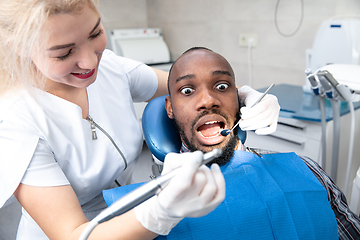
(22, 36)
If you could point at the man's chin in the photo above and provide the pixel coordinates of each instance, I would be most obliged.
(228, 148)
(206, 148)
(228, 152)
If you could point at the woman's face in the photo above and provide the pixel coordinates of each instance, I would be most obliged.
(74, 50)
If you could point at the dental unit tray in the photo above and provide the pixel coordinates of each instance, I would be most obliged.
(338, 81)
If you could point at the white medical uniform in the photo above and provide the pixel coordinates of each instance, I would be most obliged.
(44, 141)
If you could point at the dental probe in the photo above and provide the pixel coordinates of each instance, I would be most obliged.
(226, 132)
(139, 195)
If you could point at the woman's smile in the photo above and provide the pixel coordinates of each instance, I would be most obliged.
(84, 75)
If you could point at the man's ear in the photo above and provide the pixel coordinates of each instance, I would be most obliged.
(168, 107)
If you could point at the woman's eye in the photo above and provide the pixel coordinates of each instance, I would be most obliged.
(97, 34)
(65, 56)
(187, 90)
(222, 86)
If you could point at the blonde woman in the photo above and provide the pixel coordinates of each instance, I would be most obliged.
(68, 129)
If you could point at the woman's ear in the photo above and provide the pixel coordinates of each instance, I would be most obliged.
(168, 107)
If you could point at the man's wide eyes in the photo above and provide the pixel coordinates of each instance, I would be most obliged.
(187, 90)
(222, 86)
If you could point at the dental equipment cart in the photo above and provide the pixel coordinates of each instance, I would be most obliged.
(145, 45)
(299, 129)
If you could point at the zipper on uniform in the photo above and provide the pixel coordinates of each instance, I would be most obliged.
(93, 126)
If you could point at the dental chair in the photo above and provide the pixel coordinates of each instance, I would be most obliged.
(160, 132)
(162, 137)
(266, 206)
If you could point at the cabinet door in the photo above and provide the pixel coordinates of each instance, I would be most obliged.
(286, 142)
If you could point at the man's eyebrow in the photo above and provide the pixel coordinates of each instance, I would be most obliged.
(189, 76)
(57, 47)
(222, 73)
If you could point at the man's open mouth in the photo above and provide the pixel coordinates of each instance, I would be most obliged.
(208, 127)
(211, 129)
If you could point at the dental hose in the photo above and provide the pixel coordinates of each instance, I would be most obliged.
(323, 132)
(315, 86)
(336, 138)
(351, 146)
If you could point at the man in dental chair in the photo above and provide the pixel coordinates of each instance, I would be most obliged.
(268, 195)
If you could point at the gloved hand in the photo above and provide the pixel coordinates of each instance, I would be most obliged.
(193, 192)
(263, 116)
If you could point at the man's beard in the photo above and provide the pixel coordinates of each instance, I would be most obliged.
(228, 149)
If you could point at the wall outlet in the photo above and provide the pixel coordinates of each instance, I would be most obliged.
(244, 39)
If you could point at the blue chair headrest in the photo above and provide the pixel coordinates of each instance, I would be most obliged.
(160, 132)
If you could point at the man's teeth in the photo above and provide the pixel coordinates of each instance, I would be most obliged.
(211, 122)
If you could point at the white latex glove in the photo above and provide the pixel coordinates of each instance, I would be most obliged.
(193, 192)
(263, 116)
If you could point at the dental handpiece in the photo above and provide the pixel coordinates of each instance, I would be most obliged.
(140, 195)
(327, 83)
(226, 132)
(313, 82)
(146, 191)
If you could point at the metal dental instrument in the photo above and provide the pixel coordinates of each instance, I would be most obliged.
(139, 195)
(226, 132)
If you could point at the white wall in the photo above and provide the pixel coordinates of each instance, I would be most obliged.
(124, 13)
(217, 24)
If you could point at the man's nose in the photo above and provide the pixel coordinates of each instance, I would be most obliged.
(207, 100)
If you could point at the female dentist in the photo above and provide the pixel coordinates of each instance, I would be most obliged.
(68, 129)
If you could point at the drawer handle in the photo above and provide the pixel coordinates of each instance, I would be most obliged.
(292, 126)
(299, 143)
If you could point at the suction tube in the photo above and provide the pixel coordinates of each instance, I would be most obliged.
(336, 138)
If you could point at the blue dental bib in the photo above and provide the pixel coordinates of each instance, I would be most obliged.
(273, 197)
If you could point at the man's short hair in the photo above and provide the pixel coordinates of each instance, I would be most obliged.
(189, 50)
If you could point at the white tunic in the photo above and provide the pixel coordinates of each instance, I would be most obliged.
(44, 141)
